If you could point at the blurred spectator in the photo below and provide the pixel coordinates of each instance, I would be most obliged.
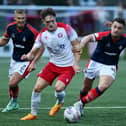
(121, 10)
(10, 2)
(100, 16)
(32, 11)
(122, 14)
(5, 2)
(19, 2)
(71, 12)
(33, 16)
(81, 21)
(87, 2)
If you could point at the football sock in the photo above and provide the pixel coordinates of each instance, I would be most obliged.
(82, 94)
(60, 97)
(13, 92)
(35, 101)
(92, 94)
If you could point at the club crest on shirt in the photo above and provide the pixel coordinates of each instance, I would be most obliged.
(108, 45)
(46, 37)
(13, 35)
(60, 35)
(120, 47)
(24, 39)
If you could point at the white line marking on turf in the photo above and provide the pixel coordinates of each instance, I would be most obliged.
(47, 108)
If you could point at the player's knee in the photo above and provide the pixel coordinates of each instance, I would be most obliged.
(36, 89)
(12, 83)
(102, 88)
(59, 88)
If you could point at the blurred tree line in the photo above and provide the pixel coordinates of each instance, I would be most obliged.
(57, 2)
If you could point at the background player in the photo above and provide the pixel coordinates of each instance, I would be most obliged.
(23, 36)
(103, 62)
(60, 39)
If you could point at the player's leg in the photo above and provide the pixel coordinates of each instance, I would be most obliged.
(104, 83)
(13, 92)
(66, 74)
(106, 75)
(59, 94)
(17, 71)
(36, 98)
(87, 85)
(46, 77)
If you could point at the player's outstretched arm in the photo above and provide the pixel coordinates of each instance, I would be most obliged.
(32, 66)
(76, 50)
(86, 39)
(3, 41)
(34, 54)
(30, 56)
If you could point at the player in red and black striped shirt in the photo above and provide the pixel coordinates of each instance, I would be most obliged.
(103, 62)
(23, 37)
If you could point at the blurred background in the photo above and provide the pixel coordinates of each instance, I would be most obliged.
(85, 16)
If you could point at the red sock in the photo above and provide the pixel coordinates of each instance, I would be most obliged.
(82, 94)
(92, 94)
(13, 92)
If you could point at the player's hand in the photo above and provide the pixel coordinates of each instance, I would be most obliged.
(27, 57)
(24, 57)
(32, 67)
(76, 68)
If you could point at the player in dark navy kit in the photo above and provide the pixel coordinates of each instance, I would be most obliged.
(103, 62)
(23, 36)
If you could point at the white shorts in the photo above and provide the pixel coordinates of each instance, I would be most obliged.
(20, 67)
(95, 69)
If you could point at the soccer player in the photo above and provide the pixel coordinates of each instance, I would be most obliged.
(103, 62)
(62, 43)
(23, 37)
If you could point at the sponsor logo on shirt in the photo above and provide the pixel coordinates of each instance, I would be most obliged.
(19, 46)
(60, 35)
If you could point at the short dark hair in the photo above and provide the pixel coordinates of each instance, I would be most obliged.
(48, 11)
(120, 20)
(19, 11)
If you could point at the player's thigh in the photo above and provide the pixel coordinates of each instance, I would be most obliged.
(87, 84)
(48, 73)
(107, 75)
(66, 75)
(40, 84)
(105, 81)
(18, 67)
(91, 69)
(15, 79)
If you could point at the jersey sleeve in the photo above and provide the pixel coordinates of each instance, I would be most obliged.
(33, 30)
(71, 33)
(38, 42)
(100, 35)
(6, 34)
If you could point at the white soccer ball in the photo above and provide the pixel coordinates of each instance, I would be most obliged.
(71, 115)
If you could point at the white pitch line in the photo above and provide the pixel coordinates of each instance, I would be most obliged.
(47, 108)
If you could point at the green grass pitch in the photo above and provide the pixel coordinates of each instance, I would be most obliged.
(108, 110)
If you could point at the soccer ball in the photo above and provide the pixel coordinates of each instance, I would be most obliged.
(71, 115)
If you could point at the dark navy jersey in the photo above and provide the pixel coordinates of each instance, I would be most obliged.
(23, 40)
(108, 50)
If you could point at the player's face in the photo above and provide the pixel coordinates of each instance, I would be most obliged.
(117, 29)
(20, 20)
(50, 23)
